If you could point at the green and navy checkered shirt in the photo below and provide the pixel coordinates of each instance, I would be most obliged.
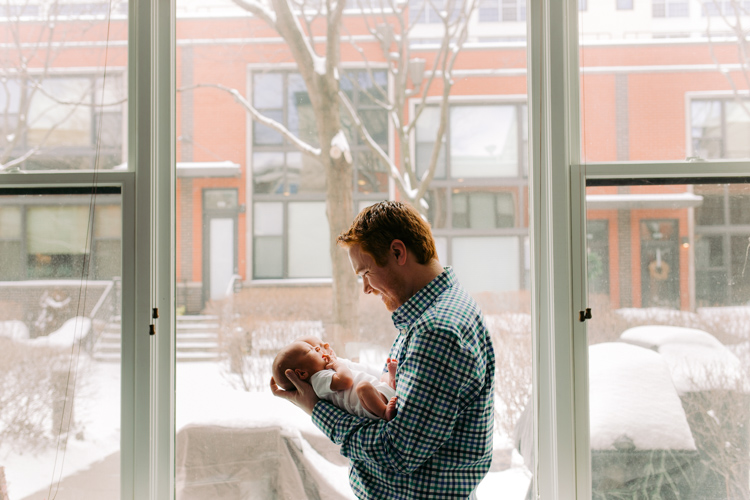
(439, 445)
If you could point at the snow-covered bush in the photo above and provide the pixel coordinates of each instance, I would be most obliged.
(511, 339)
(28, 390)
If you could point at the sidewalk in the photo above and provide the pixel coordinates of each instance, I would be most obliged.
(100, 482)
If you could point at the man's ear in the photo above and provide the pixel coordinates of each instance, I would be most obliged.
(398, 250)
(302, 374)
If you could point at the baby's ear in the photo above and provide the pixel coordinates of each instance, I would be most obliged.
(302, 374)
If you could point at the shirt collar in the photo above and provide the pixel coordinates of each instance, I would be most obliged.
(413, 308)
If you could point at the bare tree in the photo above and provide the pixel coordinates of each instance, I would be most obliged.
(730, 16)
(391, 24)
(32, 115)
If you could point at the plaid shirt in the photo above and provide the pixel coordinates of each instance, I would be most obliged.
(439, 445)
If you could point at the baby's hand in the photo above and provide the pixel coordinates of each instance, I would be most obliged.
(333, 364)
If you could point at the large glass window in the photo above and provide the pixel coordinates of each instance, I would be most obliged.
(667, 359)
(289, 276)
(60, 303)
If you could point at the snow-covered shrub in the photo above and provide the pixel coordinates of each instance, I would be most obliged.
(511, 339)
(29, 388)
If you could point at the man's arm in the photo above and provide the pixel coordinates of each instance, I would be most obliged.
(437, 378)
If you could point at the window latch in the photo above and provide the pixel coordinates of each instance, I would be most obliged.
(584, 315)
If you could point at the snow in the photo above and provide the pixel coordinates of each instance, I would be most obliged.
(72, 331)
(203, 396)
(696, 360)
(14, 329)
(319, 64)
(340, 146)
(632, 397)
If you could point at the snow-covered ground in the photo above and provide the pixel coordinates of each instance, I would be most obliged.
(203, 397)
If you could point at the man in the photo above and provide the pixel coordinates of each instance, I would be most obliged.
(439, 445)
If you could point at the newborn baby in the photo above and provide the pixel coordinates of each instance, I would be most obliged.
(337, 380)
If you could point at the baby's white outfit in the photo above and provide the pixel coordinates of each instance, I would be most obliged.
(348, 399)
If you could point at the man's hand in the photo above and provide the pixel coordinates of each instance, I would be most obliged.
(304, 396)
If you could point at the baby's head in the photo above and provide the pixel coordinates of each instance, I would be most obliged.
(302, 357)
(317, 342)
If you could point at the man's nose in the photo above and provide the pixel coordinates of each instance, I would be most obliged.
(366, 285)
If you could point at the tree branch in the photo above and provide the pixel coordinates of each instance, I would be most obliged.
(395, 173)
(302, 146)
(258, 9)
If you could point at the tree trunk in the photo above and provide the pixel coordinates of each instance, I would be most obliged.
(340, 211)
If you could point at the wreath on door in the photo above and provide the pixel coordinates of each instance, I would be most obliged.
(658, 272)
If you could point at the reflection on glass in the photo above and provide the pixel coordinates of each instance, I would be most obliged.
(309, 245)
(668, 357)
(60, 345)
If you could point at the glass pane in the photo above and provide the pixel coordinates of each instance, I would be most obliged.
(668, 352)
(487, 264)
(267, 257)
(305, 174)
(309, 245)
(63, 92)
(656, 86)
(484, 141)
(292, 280)
(268, 173)
(372, 174)
(426, 131)
(60, 347)
(220, 199)
(268, 219)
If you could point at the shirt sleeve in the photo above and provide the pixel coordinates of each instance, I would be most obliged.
(321, 383)
(438, 378)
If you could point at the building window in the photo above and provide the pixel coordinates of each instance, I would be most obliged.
(624, 4)
(72, 122)
(290, 227)
(720, 128)
(670, 8)
(478, 190)
(597, 256)
(502, 10)
(428, 12)
(726, 8)
(52, 238)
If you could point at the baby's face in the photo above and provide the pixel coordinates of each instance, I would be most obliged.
(316, 342)
(310, 358)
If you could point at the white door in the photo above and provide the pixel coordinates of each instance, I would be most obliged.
(221, 256)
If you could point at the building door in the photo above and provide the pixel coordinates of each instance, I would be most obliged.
(219, 241)
(660, 272)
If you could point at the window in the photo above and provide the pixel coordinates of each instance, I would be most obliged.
(728, 8)
(64, 119)
(478, 191)
(669, 8)
(720, 127)
(290, 230)
(624, 4)
(422, 11)
(502, 10)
